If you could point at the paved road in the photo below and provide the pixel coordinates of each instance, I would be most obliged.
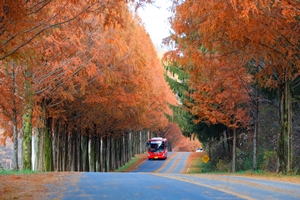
(173, 164)
(161, 179)
(246, 188)
(137, 186)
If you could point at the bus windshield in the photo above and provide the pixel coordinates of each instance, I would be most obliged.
(156, 146)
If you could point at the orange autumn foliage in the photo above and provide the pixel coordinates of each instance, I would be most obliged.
(214, 40)
(91, 73)
(25, 22)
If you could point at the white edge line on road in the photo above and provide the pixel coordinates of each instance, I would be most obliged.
(208, 186)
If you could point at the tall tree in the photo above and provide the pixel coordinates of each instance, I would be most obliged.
(241, 31)
(11, 105)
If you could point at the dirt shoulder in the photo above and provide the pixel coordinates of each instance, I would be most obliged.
(34, 186)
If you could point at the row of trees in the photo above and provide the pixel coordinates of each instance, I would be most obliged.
(226, 54)
(78, 151)
(77, 71)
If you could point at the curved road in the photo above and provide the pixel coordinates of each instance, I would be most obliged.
(162, 179)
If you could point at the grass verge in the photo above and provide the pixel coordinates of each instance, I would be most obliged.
(8, 172)
(133, 163)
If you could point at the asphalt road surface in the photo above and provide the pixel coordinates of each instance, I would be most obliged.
(162, 179)
(173, 164)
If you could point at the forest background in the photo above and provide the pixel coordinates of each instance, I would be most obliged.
(234, 67)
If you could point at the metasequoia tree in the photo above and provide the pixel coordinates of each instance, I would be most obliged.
(56, 73)
(111, 83)
(240, 31)
(220, 97)
(11, 105)
(137, 101)
(122, 95)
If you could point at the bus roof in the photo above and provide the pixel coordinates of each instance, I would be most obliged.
(158, 138)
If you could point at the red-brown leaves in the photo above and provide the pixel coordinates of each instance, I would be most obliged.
(178, 141)
(216, 39)
(90, 69)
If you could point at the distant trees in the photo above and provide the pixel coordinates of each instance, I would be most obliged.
(89, 86)
(216, 40)
(178, 142)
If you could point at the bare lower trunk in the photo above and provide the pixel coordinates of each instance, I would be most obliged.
(234, 151)
(15, 119)
(255, 134)
(16, 149)
(26, 140)
(284, 147)
(107, 153)
(85, 154)
(92, 154)
(102, 168)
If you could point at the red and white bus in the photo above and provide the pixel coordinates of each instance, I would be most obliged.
(157, 148)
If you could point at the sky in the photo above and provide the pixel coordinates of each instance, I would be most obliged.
(155, 18)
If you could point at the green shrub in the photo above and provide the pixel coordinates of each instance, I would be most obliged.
(269, 161)
(223, 166)
(244, 160)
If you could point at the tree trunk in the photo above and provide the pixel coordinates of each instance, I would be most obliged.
(74, 142)
(140, 143)
(57, 147)
(224, 141)
(288, 138)
(234, 152)
(65, 149)
(27, 139)
(92, 153)
(97, 154)
(15, 120)
(40, 162)
(123, 150)
(48, 146)
(70, 153)
(129, 146)
(27, 121)
(284, 147)
(85, 154)
(79, 152)
(44, 147)
(112, 154)
(55, 150)
(255, 132)
(102, 168)
(228, 142)
(107, 153)
(16, 149)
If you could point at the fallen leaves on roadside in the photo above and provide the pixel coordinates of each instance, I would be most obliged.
(35, 185)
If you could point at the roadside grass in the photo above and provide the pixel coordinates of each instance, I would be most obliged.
(197, 166)
(262, 173)
(131, 164)
(8, 172)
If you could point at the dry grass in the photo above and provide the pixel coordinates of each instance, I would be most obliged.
(33, 186)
